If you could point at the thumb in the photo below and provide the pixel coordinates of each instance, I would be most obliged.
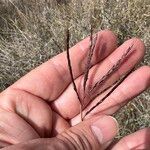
(92, 134)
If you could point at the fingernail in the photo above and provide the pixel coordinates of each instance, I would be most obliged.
(105, 129)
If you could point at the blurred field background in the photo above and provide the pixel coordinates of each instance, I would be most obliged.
(28, 29)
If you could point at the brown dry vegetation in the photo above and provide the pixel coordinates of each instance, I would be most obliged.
(28, 29)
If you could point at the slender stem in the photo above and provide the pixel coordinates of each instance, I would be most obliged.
(104, 90)
(70, 69)
(90, 54)
(113, 69)
(104, 78)
(108, 94)
(89, 59)
(81, 112)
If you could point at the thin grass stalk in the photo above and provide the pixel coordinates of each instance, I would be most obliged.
(90, 54)
(89, 59)
(113, 69)
(109, 93)
(104, 78)
(104, 90)
(87, 67)
(70, 69)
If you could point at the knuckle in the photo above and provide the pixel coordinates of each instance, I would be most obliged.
(6, 99)
(59, 68)
(76, 140)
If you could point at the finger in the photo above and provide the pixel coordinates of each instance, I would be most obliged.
(136, 83)
(90, 134)
(136, 141)
(34, 111)
(50, 79)
(4, 144)
(59, 125)
(68, 100)
(13, 129)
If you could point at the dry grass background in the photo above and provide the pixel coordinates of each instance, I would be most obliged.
(28, 28)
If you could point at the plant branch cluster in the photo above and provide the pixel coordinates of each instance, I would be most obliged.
(101, 81)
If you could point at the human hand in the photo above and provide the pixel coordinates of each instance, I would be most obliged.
(43, 103)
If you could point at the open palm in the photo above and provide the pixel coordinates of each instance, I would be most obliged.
(43, 103)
